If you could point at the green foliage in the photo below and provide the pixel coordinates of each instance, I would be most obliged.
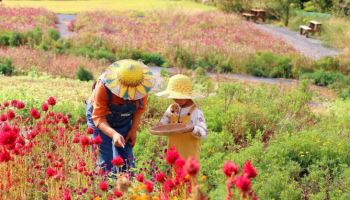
(15, 39)
(328, 64)
(6, 67)
(152, 58)
(326, 78)
(283, 9)
(53, 34)
(5, 39)
(234, 5)
(84, 75)
(270, 65)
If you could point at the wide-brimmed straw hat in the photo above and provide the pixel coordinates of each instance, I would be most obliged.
(179, 87)
(128, 79)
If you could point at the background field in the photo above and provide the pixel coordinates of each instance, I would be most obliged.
(115, 5)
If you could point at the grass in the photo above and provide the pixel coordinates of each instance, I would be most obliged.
(116, 5)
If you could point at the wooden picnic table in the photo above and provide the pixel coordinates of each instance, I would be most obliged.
(259, 13)
(304, 30)
(315, 26)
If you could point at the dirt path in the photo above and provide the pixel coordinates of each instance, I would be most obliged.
(308, 47)
(62, 25)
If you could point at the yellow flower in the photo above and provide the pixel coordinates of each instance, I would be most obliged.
(204, 178)
(97, 198)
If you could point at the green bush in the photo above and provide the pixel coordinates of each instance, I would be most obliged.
(328, 64)
(270, 65)
(15, 39)
(4, 39)
(6, 67)
(104, 54)
(84, 75)
(326, 78)
(53, 34)
(233, 5)
(152, 58)
(34, 37)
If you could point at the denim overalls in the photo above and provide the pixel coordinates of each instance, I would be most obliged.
(120, 120)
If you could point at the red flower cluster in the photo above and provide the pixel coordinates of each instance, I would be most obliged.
(118, 161)
(242, 183)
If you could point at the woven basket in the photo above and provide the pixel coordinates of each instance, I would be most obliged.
(170, 129)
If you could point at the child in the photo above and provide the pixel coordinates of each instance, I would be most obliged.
(184, 110)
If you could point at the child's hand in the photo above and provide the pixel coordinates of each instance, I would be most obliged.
(118, 140)
(131, 137)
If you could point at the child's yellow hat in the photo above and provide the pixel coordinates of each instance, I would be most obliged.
(128, 79)
(179, 87)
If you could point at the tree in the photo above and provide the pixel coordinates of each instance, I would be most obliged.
(283, 9)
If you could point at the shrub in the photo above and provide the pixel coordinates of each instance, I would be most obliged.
(104, 54)
(4, 39)
(6, 66)
(328, 64)
(34, 37)
(84, 75)
(233, 5)
(325, 78)
(152, 58)
(53, 34)
(15, 39)
(270, 65)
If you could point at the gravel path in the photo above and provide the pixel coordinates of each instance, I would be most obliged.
(308, 47)
(62, 24)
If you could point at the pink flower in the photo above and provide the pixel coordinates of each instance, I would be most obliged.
(249, 170)
(3, 117)
(160, 177)
(118, 161)
(230, 168)
(90, 130)
(140, 178)
(84, 140)
(20, 105)
(67, 195)
(104, 186)
(14, 103)
(34, 113)
(179, 163)
(4, 156)
(50, 172)
(10, 115)
(243, 183)
(51, 101)
(171, 155)
(149, 186)
(45, 107)
(118, 193)
(8, 135)
(6, 104)
(192, 167)
(97, 140)
(169, 185)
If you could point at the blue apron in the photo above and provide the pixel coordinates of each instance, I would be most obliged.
(120, 120)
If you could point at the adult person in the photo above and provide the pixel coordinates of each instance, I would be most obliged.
(114, 111)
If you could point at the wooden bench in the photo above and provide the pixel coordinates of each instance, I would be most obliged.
(249, 16)
(315, 26)
(259, 14)
(305, 30)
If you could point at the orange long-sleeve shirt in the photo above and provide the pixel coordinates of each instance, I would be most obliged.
(100, 104)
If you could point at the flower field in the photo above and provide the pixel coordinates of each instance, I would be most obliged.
(50, 62)
(24, 19)
(201, 34)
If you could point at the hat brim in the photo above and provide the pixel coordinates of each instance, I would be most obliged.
(176, 95)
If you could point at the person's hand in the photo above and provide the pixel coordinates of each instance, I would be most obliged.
(118, 140)
(131, 137)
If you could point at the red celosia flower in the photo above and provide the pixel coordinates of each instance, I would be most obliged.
(140, 178)
(230, 168)
(20, 105)
(243, 183)
(118, 193)
(34, 113)
(118, 161)
(97, 140)
(10, 114)
(50, 172)
(149, 186)
(65, 120)
(171, 155)
(8, 135)
(179, 163)
(84, 140)
(45, 107)
(90, 130)
(51, 101)
(3, 117)
(104, 186)
(168, 186)
(249, 170)
(14, 103)
(192, 167)
(160, 177)
(6, 104)
(67, 195)
(5, 156)
(76, 138)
